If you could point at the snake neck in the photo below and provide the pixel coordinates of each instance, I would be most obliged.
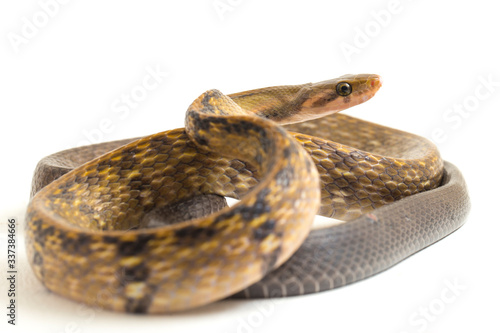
(278, 104)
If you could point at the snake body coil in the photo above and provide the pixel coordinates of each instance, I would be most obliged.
(92, 233)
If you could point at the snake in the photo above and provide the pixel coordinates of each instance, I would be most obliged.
(142, 226)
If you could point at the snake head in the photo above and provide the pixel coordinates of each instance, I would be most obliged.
(331, 96)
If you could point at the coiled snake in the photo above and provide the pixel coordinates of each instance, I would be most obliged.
(103, 223)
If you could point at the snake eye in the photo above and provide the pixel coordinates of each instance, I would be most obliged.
(344, 88)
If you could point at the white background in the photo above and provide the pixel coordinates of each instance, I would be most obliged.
(66, 77)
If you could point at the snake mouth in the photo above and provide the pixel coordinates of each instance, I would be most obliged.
(376, 82)
(363, 86)
(373, 84)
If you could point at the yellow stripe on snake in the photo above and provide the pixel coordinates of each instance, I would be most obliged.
(138, 225)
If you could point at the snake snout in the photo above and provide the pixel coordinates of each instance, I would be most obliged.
(363, 86)
(374, 82)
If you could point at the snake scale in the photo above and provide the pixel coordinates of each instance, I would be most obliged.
(141, 225)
